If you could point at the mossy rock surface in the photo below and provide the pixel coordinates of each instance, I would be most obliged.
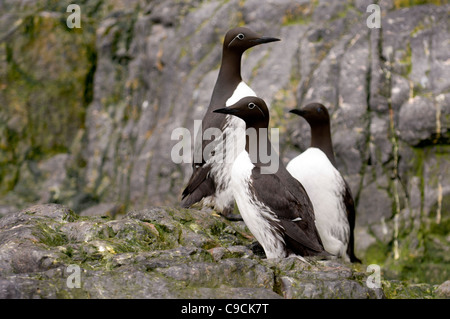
(159, 253)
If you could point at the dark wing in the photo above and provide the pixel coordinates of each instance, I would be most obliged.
(351, 214)
(296, 216)
(200, 185)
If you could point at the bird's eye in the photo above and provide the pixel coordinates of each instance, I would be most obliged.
(251, 105)
(240, 36)
(319, 110)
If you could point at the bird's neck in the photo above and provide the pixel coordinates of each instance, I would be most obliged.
(230, 69)
(258, 146)
(321, 139)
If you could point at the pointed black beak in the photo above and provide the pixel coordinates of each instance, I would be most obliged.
(262, 40)
(298, 112)
(226, 110)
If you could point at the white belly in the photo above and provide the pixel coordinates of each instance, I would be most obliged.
(256, 215)
(324, 185)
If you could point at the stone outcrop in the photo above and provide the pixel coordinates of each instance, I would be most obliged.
(87, 114)
(155, 253)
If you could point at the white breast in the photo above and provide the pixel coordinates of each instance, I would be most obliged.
(241, 91)
(234, 131)
(324, 185)
(256, 215)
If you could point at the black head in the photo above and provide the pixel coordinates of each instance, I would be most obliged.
(240, 39)
(314, 114)
(251, 109)
(319, 120)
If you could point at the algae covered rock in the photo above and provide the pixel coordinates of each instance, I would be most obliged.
(48, 251)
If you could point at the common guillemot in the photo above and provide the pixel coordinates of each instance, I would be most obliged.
(275, 207)
(210, 178)
(330, 194)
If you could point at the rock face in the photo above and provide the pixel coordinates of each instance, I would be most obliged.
(87, 114)
(154, 253)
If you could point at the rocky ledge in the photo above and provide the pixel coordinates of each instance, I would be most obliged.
(48, 251)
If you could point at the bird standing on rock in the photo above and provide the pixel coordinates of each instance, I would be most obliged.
(210, 178)
(275, 207)
(330, 194)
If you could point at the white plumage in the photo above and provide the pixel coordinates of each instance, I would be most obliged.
(256, 215)
(234, 143)
(325, 187)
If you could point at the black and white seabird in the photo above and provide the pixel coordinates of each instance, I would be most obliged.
(210, 179)
(330, 194)
(275, 206)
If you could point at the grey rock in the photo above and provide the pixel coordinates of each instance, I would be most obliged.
(381, 206)
(415, 131)
(8, 290)
(443, 291)
(55, 212)
(334, 289)
(236, 293)
(6, 209)
(232, 272)
(137, 257)
(103, 209)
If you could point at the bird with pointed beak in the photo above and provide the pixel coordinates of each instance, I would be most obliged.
(210, 179)
(330, 194)
(274, 206)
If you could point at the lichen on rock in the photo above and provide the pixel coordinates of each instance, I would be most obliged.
(155, 253)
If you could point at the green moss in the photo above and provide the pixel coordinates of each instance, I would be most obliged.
(217, 228)
(423, 256)
(49, 76)
(342, 14)
(377, 253)
(400, 290)
(406, 61)
(73, 293)
(183, 52)
(50, 236)
(299, 14)
(290, 19)
(419, 27)
(443, 227)
(409, 3)
(418, 169)
(133, 245)
(69, 252)
(260, 64)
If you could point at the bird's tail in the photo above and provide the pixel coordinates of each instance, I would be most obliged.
(189, 197)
